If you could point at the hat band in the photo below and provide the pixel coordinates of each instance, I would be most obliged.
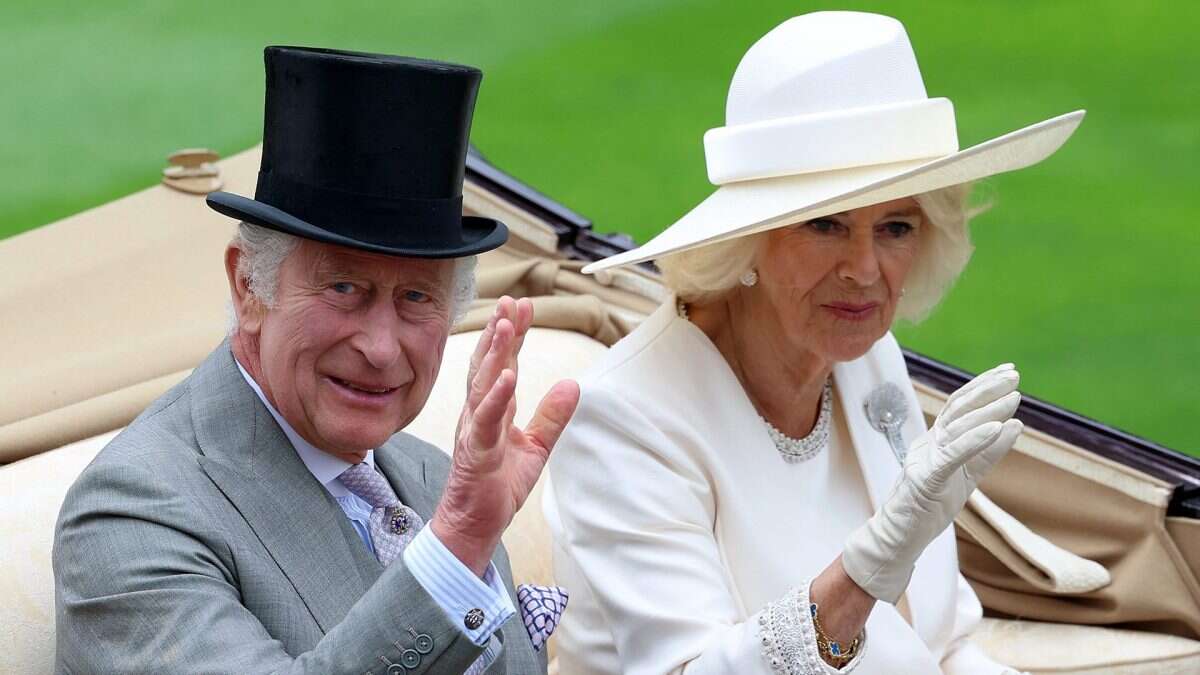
(830, 141)
(396, 222)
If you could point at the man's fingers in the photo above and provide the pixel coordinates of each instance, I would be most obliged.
(488, 422)
(978, 393)
(553, 414)
(522, 319)
(981, 464)
(520, 314)
(493, 363)
(511, 412)
(498, 346)
(523, 315)
(506, 308)
(481, 349)
(996, 411)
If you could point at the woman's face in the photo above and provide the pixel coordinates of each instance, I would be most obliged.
(833, 283)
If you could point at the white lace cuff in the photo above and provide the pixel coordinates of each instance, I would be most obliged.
(789, 639)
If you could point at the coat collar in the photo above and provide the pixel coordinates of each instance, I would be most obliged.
(247, 456)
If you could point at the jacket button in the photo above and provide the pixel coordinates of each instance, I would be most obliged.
(396, 669)
(473, 619)
(423, 643)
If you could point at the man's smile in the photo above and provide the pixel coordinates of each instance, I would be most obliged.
(357, 391)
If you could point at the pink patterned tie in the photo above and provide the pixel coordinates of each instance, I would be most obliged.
(393, 525)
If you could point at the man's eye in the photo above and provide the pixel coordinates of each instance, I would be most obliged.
(343, 288)
(898, 228)
(822, 225)
(416, 296)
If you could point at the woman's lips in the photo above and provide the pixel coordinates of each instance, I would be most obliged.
(851, 311)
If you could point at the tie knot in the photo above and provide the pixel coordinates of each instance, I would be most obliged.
(369, 485)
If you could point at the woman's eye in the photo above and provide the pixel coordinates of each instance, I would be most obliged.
(416, 296)
(898, 228)
(822, 225)
(343, 288)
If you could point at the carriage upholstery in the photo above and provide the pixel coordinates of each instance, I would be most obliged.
(134, 302)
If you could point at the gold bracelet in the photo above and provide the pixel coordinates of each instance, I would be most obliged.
(832, 651)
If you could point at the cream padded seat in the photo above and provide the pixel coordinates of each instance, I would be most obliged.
(32, 490)
(1066, 649)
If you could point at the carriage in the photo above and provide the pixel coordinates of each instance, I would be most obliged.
(1083, 545)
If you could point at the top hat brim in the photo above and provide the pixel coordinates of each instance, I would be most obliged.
(752, 206)
(478, 234)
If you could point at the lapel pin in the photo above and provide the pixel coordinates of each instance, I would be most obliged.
(886, 411)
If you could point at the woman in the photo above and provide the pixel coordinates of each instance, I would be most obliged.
(720, 502)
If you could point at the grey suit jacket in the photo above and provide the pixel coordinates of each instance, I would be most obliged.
(197, 541)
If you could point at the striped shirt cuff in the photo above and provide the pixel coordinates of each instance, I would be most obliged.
(489, 656)
(456, 589)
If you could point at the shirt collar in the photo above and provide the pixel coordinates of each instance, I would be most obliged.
(323, 466)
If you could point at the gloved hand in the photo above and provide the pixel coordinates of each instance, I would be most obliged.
(972, 432)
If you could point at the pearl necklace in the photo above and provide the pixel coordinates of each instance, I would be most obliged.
(794, 450)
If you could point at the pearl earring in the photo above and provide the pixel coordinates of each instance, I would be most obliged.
(749, 278)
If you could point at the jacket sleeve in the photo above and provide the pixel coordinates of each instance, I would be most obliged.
(140, 587)
(638, 516)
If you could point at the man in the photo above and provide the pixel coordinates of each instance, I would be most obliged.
(264, 515)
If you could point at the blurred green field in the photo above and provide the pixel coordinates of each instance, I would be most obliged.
(1085, 275)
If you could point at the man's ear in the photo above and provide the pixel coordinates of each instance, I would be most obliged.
(246, 305)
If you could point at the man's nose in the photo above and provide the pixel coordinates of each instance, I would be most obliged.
(378, 337)
(860, 262)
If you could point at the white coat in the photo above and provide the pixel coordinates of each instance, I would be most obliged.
(676, 521)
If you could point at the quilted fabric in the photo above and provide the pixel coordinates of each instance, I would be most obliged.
(1069, 649)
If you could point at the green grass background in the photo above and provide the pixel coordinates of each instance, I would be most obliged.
(1086, 272)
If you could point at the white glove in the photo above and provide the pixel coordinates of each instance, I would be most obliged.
(972, 432)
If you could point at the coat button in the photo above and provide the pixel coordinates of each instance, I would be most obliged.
(410, 658)
(396, 669)
(473, 619)
(423, 643)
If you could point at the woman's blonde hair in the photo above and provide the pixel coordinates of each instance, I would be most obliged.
(705, 273)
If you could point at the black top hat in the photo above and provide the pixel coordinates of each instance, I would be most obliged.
(366, 151)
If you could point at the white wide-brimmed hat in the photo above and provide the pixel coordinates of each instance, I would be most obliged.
(826, 113)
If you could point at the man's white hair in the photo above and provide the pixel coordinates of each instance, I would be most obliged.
(264, 250)
(705, 273)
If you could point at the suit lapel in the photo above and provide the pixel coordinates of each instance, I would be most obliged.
(247, 456)
(934, 578)
(407, 477)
